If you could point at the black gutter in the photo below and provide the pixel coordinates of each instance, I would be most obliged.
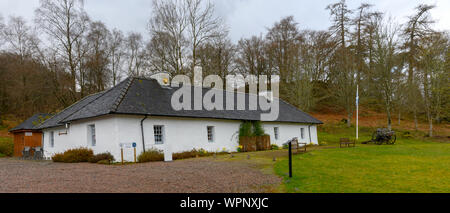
(142, 131)
(309, 130)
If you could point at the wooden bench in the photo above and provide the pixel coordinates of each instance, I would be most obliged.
(346, 142)
(297, 148)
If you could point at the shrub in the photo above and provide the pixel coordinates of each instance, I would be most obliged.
(407, 134)
(104, 162)
(7, 148)
(245, 129)
(102, 157)
(74, 155)
(258, 130)
(196, 153)
(275, 147)
(251, 128)
(151, 155)
(191, 154)
(59, 157)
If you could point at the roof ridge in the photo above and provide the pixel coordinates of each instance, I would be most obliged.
(66, 108)
(103, 93)
(122, 94)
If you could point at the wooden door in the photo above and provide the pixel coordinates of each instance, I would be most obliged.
(19, 143)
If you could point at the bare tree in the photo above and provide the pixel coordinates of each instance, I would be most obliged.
(168, 27)
(343, 67)
(116, 55)
(216, 57)
(204, 26)
(97, 58)
(387, 72)
(179, 29)
(252, 58)
(65, 22)
(20, 38)
(417, 27)
(136, 54)
(360, 22)
(432, 74)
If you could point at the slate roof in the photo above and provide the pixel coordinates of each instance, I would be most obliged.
(140, 96)
(32, 123)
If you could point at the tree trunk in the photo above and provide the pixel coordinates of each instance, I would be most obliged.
(349, 119)
(388, 112)
(415, 120)
(430, 121)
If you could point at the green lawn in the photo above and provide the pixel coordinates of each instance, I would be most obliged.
(411, 165)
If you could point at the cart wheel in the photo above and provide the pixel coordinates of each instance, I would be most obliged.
(393, 139)
(374, 136)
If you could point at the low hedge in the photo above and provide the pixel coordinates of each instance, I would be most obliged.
(151, 155)
(195, 153)
(77, 155)
(105, 157)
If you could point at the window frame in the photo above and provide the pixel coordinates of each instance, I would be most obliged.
(52, 139)
(276, 132)
(92, 135)
(160, 135)
(212, 134)
(302, 132)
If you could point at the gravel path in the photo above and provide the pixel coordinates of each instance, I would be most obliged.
(185, 176)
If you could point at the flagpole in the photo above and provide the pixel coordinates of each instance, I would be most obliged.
(357, 109)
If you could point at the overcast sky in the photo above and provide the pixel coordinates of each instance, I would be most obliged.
(243, 17)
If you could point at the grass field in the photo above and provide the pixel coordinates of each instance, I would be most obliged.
(411, 165)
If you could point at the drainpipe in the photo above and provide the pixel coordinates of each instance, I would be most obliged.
(142, 131)
(309, 133)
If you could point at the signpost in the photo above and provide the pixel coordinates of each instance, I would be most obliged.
(128, 146)
(134, 147)
(289, 143)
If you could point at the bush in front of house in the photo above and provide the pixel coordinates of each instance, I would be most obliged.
(195, 153)
(7, 148)
(251, 128)
(107, 157)
(77, 155)
(58, 157)
(275, 147)
(151, 155)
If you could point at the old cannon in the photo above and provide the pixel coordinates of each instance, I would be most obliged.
(381, 136)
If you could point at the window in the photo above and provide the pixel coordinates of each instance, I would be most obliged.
(276, 133)
(158, 131)
(52, 139)
(302, 133)
(92, 139)
(210, 130)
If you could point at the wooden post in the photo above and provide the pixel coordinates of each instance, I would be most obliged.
(290, 159)
(135, 154)
(121, 154)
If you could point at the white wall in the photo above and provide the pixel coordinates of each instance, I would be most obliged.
(181, 134)
(77, 136)
(287, 131)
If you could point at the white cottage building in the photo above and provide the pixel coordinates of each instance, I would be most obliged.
(139, 111)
